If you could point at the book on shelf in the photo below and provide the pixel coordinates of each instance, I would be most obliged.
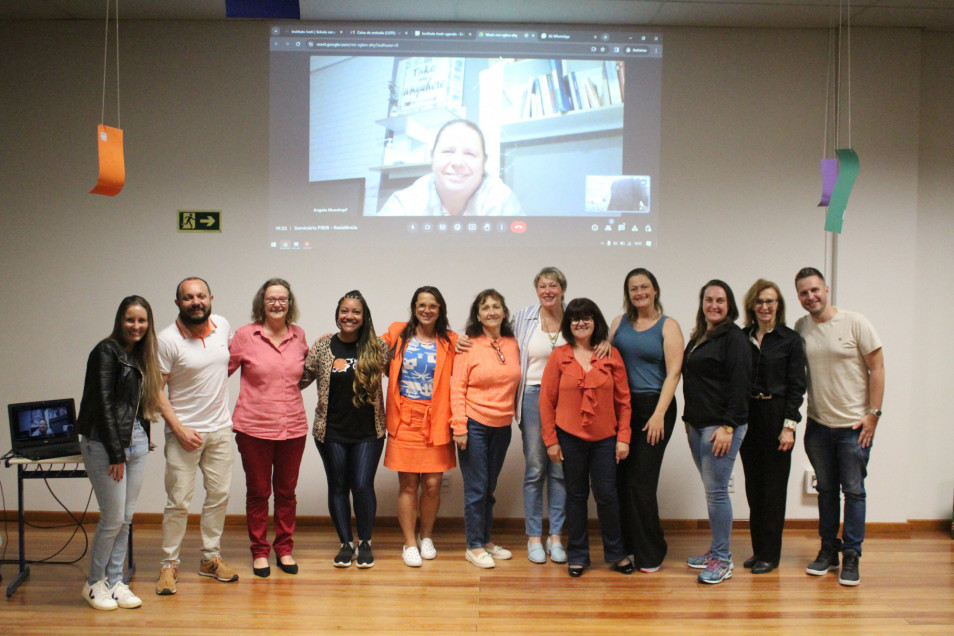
(568, 88)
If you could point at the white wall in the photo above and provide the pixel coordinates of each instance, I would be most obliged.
(742, 118)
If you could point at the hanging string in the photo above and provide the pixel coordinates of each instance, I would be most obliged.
(829, 85)
(102, 116)
(841, 24)
(848, 39)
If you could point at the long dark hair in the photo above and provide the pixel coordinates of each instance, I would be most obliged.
(368, 368)
(410, 328)
(144, 352)
(474, 328)
(702, 328)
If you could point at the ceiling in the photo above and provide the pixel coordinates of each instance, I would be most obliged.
(936, 15)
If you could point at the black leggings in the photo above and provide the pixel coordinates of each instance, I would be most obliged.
(350, 468)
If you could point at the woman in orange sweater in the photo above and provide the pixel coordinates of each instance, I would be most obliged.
(483, 395)
(584, 413)
(419, 443)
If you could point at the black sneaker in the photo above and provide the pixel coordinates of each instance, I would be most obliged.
(826, 560)
(345, 556)
(849, 569)
(365, 556)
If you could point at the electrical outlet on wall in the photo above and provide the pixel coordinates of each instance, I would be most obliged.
(810, 482)
(731, 483)
(445, 483)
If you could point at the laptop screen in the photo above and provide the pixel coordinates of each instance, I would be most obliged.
(44, 423)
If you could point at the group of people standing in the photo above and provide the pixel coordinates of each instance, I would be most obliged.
(595, 404)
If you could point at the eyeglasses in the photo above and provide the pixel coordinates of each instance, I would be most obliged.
(500, 355)
(767, 303)
(277, 300)
(588, 320)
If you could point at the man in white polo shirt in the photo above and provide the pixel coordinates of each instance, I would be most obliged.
(194, 358)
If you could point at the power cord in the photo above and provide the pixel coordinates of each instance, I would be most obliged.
(77, 525)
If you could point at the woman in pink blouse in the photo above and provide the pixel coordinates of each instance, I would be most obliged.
(584, 416)
(269, 419)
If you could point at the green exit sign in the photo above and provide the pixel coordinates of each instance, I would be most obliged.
(200, 220)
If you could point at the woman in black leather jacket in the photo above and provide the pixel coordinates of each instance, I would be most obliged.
(120, 397)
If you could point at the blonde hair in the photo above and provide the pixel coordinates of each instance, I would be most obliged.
(145, 353)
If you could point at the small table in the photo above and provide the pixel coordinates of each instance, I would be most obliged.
(44, 469)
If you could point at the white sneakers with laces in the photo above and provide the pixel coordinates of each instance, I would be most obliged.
(124, 597)
(99, 596)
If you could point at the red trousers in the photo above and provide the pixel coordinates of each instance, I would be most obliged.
(270, 465)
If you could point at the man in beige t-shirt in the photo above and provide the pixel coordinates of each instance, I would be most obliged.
(845, 391)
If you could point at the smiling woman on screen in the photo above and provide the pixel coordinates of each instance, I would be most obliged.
(458, 184)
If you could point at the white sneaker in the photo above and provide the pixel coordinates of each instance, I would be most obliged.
(501, 554)
(482, 560)
(411, 556)
(124, 596)
(98, 596)
(428, 551)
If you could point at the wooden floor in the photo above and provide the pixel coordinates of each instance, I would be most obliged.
(907, 588)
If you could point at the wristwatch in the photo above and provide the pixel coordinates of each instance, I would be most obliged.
(728, 429)
(875, 412)
(790, 424)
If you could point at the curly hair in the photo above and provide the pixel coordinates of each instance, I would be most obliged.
(369, 367)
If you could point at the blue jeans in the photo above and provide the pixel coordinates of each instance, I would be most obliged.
(715, 473)
(539, 470)
(839, 463)
(480, 465)
(117, 501)
(587, 464)
(350, 469)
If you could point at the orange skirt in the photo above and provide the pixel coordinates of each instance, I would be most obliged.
(408, 450)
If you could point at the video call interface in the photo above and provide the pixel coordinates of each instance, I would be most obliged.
(51, 422)
(464, 134)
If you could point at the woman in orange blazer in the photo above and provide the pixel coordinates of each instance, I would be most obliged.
(420, 446)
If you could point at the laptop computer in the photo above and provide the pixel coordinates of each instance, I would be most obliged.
(45, 429)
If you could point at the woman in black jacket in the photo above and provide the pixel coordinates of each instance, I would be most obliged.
(120, 397)
(778, 387)
(716, 379)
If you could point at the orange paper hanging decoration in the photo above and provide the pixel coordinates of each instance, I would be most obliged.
(112, 166)
(109, 140)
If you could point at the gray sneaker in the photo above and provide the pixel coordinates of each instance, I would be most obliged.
(716, 571)
(849, 569)
(826, 560)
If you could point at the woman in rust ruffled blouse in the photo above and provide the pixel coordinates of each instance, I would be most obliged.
(584, 412)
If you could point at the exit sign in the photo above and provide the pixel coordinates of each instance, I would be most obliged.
(200, 220)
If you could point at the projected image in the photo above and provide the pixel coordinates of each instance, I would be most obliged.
(617, 194)
(388, 139)
(503, 120)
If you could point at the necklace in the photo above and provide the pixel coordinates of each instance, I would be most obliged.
(551, 337)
